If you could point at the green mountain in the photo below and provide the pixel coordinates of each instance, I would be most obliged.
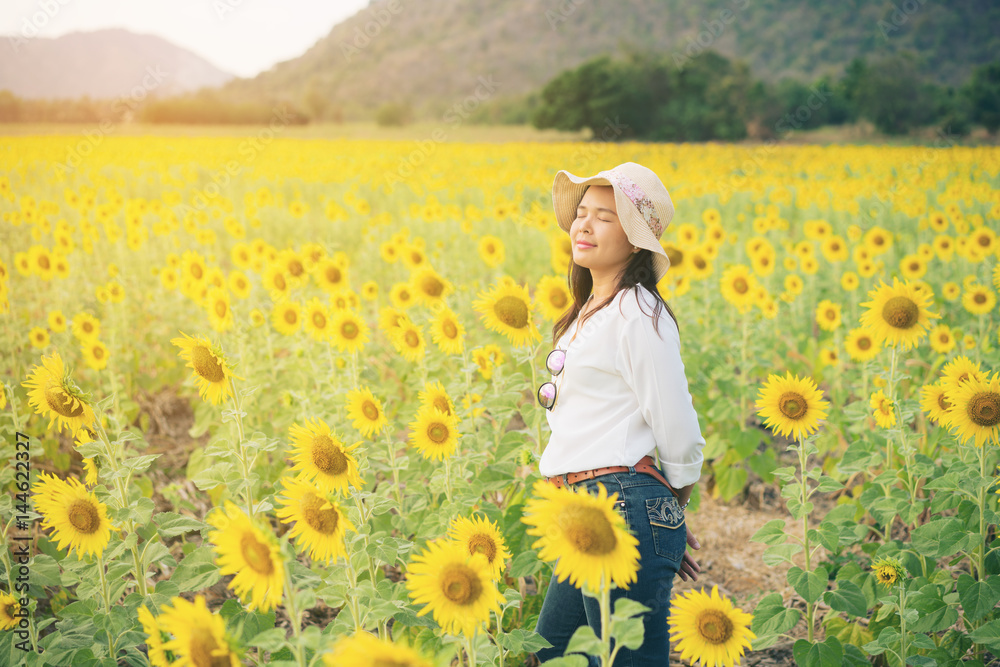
(436, 54)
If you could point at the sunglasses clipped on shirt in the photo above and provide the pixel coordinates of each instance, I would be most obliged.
(554, 363)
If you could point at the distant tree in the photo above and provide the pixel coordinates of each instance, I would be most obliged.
(983, 94)
(710, 99)
(393, 114)
(893, 96)
(10, 107)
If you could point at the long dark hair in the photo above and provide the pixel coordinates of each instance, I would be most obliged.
(638, 271)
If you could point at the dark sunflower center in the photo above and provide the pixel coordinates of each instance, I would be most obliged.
(319, 320)
(369, 410)
(333, 274)
(831, 314)
(60, 402)
(886, 575)
(432, 286)
(221, 308)
(349, 330)
(460, 584)
(84, 517)
(900, 312)
(437, 432)
(290, 316)
(943, 402)
(512, 311)
(483, 544)
(740, 286)
(979, 298)
(558, 299)
(98, 353)
(327, 456)
(206, 365)
(864, 343)
(714, 626)
(295, 267)
(699, 263)
(412, 339)
(279, 282)
(984, 409)
(449, 329)
(196, 271)
(256, 554)
(321, 520)
(792, 404)
(205, 649)
(588, 529)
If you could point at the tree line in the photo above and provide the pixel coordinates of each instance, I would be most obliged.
(710, 97)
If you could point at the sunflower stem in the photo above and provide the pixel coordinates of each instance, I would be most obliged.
(352, 598)
(892, 392)
(810, 611)
(242, 452)
(743, 369)
(605, 600)
(468, 392)
(981, 547)
(447, 478)
(294, 618)
(363, 515)
(107, 602)
(395, 471)
(902, 621)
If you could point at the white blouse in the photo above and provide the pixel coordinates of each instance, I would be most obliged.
(623, 394)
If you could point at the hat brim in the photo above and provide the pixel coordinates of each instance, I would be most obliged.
(567, 191)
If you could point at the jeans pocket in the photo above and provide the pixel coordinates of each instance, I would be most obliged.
(666, 520)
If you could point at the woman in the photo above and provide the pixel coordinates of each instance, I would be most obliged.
(619, 394)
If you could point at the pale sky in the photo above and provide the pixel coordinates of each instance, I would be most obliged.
(242, 37)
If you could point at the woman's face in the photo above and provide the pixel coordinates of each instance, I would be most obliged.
(599, 242)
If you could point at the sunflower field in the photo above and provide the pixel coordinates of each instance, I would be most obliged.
(273, 402)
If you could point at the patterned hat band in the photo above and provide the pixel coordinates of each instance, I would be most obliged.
(638, 197)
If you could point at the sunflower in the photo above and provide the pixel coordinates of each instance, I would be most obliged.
(51, 391)
(996, 277)
(95, 354)
(320, 524)
(975, 410)
(434, 395)
(429, 286)
(369, 290)
(155, 637)
(897, 315)
(330, 275)
(454, 585)
(366, 412)
(434, 434)
(941, 339)
(447, 331)
(878, 240)
(708, 628)
(979, 299)
(276, 282)
(86, 326)
(491, 251)
(480, 535)
(90, 472)
(793, 283)
(885, 409)
(193, 266)
(286, 317)
(57, 321)
(861, 344)
(834, 249)
(888, 570)
(588, 540)
(199, 636)
(934, 402)
(348, 331)
(316, 319)
(366, 650)
(959, 370)
(211, 370)
(245, 550)
(42, 263)
(791, 406)
(737, 286)
(828, 315)
(257, 318)
(9, 608)
(320, 456)
(402, 296)
(78, 519)
(506, 308)
(39, 337)
(408, 339)
(984, 240)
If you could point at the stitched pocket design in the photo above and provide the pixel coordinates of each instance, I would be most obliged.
(665, 518)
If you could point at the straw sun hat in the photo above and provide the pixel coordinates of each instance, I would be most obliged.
(644, 206)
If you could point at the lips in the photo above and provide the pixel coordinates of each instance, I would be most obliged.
(584, 244)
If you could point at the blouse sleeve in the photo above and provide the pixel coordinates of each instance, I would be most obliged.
(651, 365)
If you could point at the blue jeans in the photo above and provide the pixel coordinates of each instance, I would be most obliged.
(655, 518)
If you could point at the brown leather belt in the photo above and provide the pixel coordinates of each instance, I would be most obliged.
(645, 465)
